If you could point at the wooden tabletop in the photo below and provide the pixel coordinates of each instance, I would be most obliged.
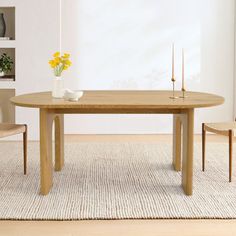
(120, 100)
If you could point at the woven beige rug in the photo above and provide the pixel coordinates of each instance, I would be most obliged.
(115, 181)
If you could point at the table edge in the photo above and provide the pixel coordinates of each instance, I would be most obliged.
(88, 106)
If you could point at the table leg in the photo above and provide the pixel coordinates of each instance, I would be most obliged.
(59, 142)
(188, 141)
(177, 143)
(46, 166)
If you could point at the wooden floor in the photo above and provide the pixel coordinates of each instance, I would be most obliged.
(120, 228)
(126, 227)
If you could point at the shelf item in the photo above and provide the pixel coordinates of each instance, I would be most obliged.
(2, 25)
(9, 18)
(11, 53)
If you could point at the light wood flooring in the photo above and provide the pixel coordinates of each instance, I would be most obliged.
(125, 227)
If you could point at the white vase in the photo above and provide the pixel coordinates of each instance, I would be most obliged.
(58, 89)
(2, 73)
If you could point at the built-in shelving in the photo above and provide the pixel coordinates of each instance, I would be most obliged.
(7, 43)
(7, 78)
(7, 82)
(8, 46)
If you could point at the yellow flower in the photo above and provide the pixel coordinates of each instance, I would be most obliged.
(66, 55)
(68, 62)
(57, 60)
(57, 54)
(60, 63)
(52, 63)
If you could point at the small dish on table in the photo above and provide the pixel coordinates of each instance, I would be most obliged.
(72, 96)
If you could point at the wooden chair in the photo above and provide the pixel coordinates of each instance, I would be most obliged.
(7, 130)
(226, 129)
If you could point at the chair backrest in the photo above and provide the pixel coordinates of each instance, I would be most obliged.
(7, 129)
(7, 110)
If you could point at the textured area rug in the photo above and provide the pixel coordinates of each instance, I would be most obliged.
(115, 181)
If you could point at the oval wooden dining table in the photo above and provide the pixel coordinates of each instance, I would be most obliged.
(117, 102)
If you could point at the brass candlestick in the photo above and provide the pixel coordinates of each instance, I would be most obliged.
(173, 91)
(173, 72)
(183, 93)
(183, 76)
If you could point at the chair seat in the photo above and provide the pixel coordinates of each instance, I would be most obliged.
(221, 128)
(11, 129)
(227, 129)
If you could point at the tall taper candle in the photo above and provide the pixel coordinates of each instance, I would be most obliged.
(173, 72)
(183, 76)
(183, 70)
(173, 62)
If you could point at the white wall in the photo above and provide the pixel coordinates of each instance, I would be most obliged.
(37, 37)
(204, 27)
(235, 63)
(126, 45)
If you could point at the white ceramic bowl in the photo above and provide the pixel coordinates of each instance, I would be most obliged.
(73, 95)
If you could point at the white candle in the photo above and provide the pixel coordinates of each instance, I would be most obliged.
(173, 61)
(183, 70)
(60, 29)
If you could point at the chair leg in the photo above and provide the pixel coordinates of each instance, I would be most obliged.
(203, 146)
(25, 149)
(230, 154)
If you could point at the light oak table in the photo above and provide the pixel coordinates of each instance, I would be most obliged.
(117, 102)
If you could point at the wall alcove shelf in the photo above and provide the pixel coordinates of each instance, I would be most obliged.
(7, 82)
(9, 17)
(8, 42)
(7, 78)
